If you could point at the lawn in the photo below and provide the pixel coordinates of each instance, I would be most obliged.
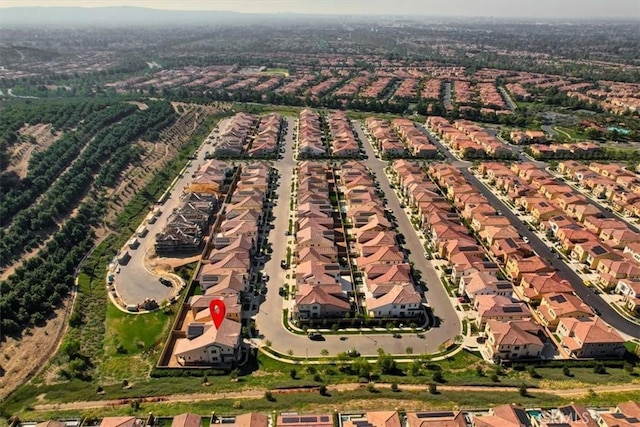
(128, 334)
(313, 402)
(276, 72)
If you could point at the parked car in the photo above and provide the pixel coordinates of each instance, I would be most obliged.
(397, 335)
(315, 336)
(353, 353)
(283, 264)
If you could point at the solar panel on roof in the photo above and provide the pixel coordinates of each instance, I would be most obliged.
(522, 417)
(324, 418)
(290, 420)
(435, 415)
(512, 309)
(599, 250)
(308, 419)
(558, 298)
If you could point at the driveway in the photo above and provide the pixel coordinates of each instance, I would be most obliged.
(607, 313)
(269, 317)
(135, 282)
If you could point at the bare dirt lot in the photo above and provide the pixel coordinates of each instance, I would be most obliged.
(21, 358)
(32, 138)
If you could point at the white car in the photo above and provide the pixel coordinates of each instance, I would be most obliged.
(525, 239)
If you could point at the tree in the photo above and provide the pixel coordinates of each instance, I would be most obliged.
(433, 388)
(599, 368)
(438, 377)
(293, 373)
(71, 348)
(566, 371)
(522, 390)
(323, 390)
(361, 367)
(531, 370)
(385, 363)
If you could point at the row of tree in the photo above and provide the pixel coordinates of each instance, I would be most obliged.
(45, 166)
(29, 225)
(29, 296)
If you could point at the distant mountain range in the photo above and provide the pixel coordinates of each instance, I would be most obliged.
(126, 15)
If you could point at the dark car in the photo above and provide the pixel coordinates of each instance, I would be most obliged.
(283, 264)
(397, 335)
(315, 336)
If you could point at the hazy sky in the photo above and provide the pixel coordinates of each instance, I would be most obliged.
(495, 8)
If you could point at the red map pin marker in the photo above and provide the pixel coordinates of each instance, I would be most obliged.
(217, 309)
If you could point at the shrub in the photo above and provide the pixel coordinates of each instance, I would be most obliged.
(317, 378)
(293, 373)
(494, 378)
(479, 371)
(311, 369)
(438, 377)
(599, 368)
(237, 405)
(394, 386)
(566, 371)
(323, 390)
(371, 388)
(269, 396)
(522, 390)
(433, 388)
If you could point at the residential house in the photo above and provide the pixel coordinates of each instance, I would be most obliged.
(481, 283)
(630, 288)
(401, 301)
(589, 338)
(554, 307)
(516, 267)
(186, 420)
(513, 339)
(504, 416)
(208, 345)
(251, 419)
(534, 286)
(436, 419)
(610, 271)
(497, 307)
(374, 419)
(592, 252)
(626, 415)
(121, 422)
(320, 302)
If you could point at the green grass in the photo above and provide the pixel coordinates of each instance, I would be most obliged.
(312, 402)
(135, 333)
(574, 134)
(275, 72)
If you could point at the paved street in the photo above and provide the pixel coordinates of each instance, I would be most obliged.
(269, 317)
(607, 313)
(135, 283)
